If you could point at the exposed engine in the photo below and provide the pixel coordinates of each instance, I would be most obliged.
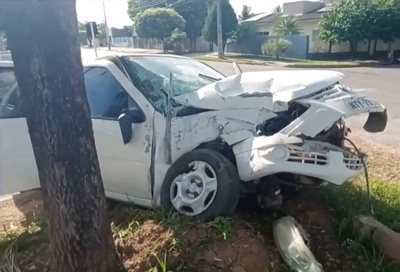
(272, 189)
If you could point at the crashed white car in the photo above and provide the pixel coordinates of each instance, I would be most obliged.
(171, 131)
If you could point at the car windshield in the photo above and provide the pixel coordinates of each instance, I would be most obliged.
(155, 75)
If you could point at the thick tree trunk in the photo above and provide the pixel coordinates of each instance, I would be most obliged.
(43, 38)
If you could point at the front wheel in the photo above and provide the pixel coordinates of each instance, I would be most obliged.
(202, 184)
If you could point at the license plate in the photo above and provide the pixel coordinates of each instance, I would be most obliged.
(361, 103)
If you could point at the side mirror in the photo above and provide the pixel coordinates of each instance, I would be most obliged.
(125, 123)
(136, 114)
(126, 119)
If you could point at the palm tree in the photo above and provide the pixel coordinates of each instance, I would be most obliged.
(277, 9)
(246, 13)
(287, 26)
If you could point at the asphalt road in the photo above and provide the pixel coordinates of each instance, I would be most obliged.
(380, 83)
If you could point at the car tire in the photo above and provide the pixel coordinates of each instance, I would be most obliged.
(227, 191)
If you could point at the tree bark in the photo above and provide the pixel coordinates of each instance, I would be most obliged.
(43, 39)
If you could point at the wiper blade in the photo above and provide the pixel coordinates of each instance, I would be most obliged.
(210, 78)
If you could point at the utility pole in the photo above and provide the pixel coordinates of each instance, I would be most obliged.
(219, 30)
(108, 38)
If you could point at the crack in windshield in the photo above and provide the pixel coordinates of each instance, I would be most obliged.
(152, 74)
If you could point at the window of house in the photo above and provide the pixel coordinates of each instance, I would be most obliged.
(106, 97)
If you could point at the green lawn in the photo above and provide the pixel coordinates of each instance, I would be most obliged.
(350, 201)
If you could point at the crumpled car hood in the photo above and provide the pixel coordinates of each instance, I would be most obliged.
(264, 89)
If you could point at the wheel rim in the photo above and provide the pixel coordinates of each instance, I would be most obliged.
(193, 192)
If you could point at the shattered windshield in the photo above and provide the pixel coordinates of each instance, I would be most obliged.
(152, 76)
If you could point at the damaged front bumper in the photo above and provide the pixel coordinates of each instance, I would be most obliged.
(297, 148)
(309, 158)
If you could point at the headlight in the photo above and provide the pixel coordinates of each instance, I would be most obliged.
(292, 247)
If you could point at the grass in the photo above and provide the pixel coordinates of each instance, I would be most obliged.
(286, 62)
(350, 201)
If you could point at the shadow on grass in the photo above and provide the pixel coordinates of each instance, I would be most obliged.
(350, 201)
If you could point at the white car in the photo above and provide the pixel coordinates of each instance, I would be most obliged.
(171, 131)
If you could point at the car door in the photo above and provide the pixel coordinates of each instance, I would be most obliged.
(124, 167)
(18, 170)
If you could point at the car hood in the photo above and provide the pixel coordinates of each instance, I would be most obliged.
(265, 89)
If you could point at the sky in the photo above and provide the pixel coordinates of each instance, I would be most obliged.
(92, 10)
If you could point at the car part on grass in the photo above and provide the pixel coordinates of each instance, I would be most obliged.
(291, 245)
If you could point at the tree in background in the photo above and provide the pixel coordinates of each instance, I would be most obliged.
(229, 23)
(158, 23)
(52, 92)
(194, 12)
(82, 26)
(277, 9)
(177, 40)
(137, 6)
(246, 13)
(385, 24)
(276, 47)
(348, 21)
(287, 26)
(101, 28)
(247, 31)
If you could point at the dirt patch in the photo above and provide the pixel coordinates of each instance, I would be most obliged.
(245, 250)
(20, 209)
(318, 223)
(383, 162)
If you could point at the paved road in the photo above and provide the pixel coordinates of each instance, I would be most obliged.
(381, 84)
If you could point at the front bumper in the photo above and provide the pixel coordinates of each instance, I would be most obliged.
(308, 158)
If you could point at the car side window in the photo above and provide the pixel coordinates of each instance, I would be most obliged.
(106, 96)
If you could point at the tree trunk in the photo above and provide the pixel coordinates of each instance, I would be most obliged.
(43, 38)
(375, 45)
(369, 47)
(330, 48)
(390, 54)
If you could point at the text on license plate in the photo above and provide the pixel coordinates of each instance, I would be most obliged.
(362, 103)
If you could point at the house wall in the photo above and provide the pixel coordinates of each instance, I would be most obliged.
(310, 28)
(297, 50)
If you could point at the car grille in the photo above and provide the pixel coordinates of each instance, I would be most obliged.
(352, 161)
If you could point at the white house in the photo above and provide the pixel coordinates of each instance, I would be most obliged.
(308, 13)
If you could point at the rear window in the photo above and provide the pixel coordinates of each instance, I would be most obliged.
(7, 80)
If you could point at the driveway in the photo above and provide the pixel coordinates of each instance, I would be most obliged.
(381, 84)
